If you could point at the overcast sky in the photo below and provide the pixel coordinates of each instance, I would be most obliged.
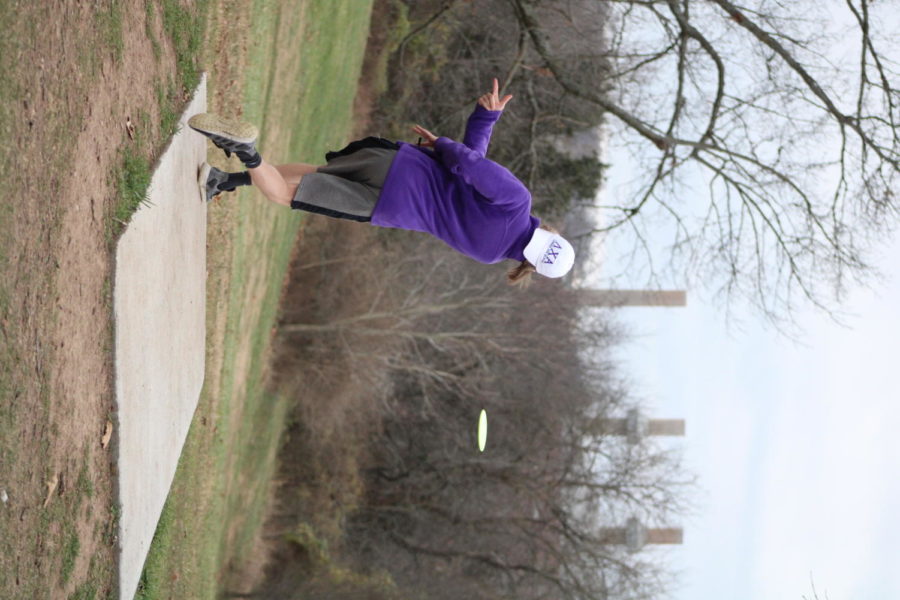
(796, 447)
(796, 444)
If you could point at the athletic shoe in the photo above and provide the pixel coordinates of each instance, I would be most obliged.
(209, 180)
(231, 136)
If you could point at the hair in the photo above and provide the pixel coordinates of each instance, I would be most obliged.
(521, 275)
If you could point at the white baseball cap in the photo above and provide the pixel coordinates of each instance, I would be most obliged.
(550, 253)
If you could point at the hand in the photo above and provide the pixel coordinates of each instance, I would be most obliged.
(428, 137)
(492, 100)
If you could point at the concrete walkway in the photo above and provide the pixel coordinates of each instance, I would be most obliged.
(160, 322)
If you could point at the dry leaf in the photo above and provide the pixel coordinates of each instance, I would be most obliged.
(51, 487)
(106, 435)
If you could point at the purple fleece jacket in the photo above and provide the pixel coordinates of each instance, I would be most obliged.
(456, 194)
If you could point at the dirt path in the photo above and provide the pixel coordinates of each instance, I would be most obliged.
(78, 70)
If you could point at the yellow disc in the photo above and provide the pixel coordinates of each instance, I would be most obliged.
(482, 430)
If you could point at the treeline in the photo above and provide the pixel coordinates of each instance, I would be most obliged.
(526, 519)
(444, 54)
(392, 344)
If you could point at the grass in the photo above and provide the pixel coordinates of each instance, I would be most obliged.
(70, 553)
(109, 21)
(85, 591)
(52, 556)
(45, 559)
(133, 180)
(393, 27)
(184, 27)
(186, 37)
(11, 362)
(150, 15)
(327, 574)
(299, 81)
(301, 68)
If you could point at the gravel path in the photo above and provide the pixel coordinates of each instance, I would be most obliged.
(160, 320)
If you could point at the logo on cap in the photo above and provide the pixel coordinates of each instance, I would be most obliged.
(552, 253)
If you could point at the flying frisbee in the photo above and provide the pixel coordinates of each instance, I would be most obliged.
(482, 430)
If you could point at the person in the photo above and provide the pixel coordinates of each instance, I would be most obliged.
(439, 186)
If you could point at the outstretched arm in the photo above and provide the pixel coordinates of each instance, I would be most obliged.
(488, 110)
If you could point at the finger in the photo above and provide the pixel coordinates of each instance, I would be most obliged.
(496, 87)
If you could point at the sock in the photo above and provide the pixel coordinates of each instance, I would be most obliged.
(235, 180)
(250, 159)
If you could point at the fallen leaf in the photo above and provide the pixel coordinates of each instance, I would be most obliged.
(51, 487)
(106, 435)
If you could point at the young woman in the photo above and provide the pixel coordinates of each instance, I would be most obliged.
(439, 186)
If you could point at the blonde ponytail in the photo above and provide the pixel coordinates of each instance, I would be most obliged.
(520, 275)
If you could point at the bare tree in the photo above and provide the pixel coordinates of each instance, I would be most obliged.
(815, 593)
(763, 156)
(452, 51)
(530, 519)
(792, 153)
(447, 337)
(435, 319)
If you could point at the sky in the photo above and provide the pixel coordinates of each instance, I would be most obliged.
(795, 442)
(794, 445)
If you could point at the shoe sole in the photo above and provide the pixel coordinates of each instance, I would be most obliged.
(212, 124)
(201, 181)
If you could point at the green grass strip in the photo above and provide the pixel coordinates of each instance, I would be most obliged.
(301, 74)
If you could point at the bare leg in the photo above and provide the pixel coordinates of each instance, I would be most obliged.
(272, 184)
(294, 172)
(279, 184)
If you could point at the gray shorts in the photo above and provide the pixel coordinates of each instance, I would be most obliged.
(347, 187)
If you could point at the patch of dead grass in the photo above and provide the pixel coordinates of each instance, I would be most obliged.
(79, 72)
